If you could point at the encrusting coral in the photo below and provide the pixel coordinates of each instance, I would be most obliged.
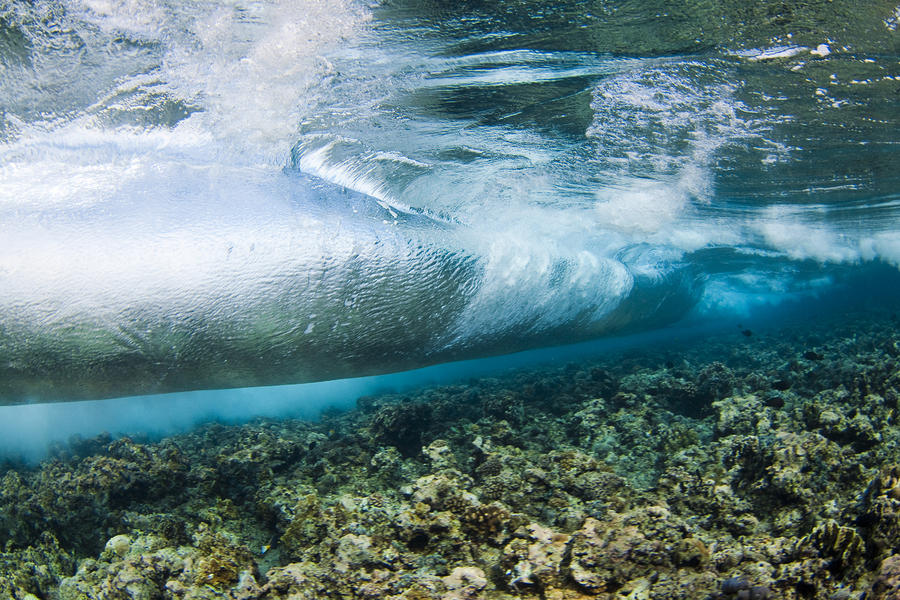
(764, 466)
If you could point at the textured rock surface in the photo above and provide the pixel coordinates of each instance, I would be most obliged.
(764, 466)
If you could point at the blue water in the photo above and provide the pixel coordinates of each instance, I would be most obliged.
(486, 178)
(28, 432)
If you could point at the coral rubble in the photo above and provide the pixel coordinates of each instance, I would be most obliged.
(763, 466)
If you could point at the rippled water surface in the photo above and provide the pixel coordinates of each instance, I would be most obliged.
(520, 174)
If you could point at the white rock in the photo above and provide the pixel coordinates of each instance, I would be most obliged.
(119, 545)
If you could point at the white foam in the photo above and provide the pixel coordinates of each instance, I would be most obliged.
(660, 127)
(140, 17)
(246, 68)
(659, 131)
(645, 206)
(802, 241)
(535, 283)
(252, 76)
(884, 245)
(773, 53)
(821, 50)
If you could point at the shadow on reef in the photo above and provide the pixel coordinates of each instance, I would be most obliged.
(763, 466)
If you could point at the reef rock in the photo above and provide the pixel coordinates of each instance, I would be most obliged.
(887, 583)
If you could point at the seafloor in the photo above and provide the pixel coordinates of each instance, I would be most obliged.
(745, 465)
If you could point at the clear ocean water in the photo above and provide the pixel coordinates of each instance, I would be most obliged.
(206, 199)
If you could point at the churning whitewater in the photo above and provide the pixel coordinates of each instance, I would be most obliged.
(199, 195)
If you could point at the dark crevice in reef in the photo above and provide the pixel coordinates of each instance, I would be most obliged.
(763, 466)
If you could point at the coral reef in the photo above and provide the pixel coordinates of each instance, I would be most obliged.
(742, 467)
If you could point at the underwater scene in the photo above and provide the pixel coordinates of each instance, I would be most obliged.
(430, 300)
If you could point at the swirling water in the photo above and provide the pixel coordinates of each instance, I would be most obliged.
(603, 164)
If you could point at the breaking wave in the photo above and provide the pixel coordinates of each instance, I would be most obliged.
(207, 194)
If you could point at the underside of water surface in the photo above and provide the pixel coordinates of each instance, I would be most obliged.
(202, 195)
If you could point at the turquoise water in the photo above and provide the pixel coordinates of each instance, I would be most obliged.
(208, 195)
